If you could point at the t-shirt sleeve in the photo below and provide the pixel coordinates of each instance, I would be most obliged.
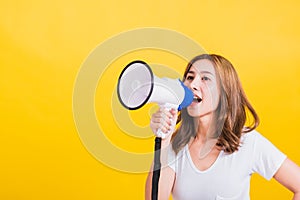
(267, 158)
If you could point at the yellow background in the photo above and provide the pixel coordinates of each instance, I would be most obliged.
(43, 44)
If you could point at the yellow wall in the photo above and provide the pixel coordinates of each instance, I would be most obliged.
(44, 43)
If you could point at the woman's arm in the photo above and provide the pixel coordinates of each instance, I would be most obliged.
(165, 185)
(289, 176)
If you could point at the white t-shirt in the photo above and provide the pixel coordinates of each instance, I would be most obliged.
(229, 176)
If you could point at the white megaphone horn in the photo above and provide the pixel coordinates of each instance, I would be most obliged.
(137, 85)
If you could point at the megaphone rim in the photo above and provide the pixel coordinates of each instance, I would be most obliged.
(151, 89)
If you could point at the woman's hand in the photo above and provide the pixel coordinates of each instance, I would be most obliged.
(165, 121)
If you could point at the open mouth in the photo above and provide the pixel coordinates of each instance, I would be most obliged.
(197, 99)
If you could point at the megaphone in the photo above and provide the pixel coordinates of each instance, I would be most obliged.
(137, 85)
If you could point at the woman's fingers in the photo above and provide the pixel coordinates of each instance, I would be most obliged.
(163, 121)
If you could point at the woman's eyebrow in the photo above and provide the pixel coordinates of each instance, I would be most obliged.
(200, 72)
(191, 72)
(206, 72)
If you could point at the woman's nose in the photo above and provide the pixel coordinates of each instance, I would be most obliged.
(194, 88)
(196, 84)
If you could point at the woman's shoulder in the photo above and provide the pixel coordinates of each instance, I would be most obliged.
(248, 144)
(254, 138)
(250, 136)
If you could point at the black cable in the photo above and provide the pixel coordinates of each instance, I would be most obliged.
(156, 169)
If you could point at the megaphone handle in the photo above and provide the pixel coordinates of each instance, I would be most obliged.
(167, 106)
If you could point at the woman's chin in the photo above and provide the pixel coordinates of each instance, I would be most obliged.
(193, 112)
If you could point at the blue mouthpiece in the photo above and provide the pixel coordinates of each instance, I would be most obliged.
(188, 97)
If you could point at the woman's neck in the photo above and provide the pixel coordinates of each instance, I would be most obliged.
(205, 127)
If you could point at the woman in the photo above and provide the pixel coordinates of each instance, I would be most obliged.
(213, 152)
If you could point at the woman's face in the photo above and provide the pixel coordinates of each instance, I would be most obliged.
(202, 80)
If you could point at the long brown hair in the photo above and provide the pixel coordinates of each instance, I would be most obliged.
(231, 113)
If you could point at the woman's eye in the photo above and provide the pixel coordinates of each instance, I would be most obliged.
(189, 78)
(205, 78)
